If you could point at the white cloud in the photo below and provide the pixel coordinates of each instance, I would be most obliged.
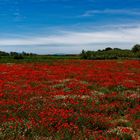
(112, 11)
(126, 35)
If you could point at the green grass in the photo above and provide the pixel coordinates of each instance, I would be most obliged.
(38, 58)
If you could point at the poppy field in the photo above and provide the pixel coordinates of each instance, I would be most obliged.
(70, 100)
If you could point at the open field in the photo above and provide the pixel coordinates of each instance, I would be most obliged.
(70, 100)
(36, 58)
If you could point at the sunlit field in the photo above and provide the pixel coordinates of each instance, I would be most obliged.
(70, 100)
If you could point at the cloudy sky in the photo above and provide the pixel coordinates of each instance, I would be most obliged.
(68, 26)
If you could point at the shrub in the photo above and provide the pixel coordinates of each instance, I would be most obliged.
(136, 48)
(18, 57)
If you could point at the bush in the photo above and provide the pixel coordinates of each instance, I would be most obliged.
(109, 54)
(136, 48)
(18, 57)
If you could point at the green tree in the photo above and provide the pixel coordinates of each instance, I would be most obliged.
(108, 49)
(84, 54)
(136, 48)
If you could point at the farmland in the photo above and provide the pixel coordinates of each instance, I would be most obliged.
(70, 100)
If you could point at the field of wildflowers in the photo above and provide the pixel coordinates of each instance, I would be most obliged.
(70, 100)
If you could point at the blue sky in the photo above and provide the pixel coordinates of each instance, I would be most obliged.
(68, 26)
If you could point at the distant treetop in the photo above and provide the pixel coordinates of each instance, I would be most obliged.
(136, 48)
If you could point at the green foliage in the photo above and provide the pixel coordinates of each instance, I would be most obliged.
(136, 48)
(18, 57)
(83, 55)
(3, 53)
(109, 53)
(36, 58)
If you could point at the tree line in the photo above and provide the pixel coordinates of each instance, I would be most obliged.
(16, 55)
(107, 53)
(112, 53)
